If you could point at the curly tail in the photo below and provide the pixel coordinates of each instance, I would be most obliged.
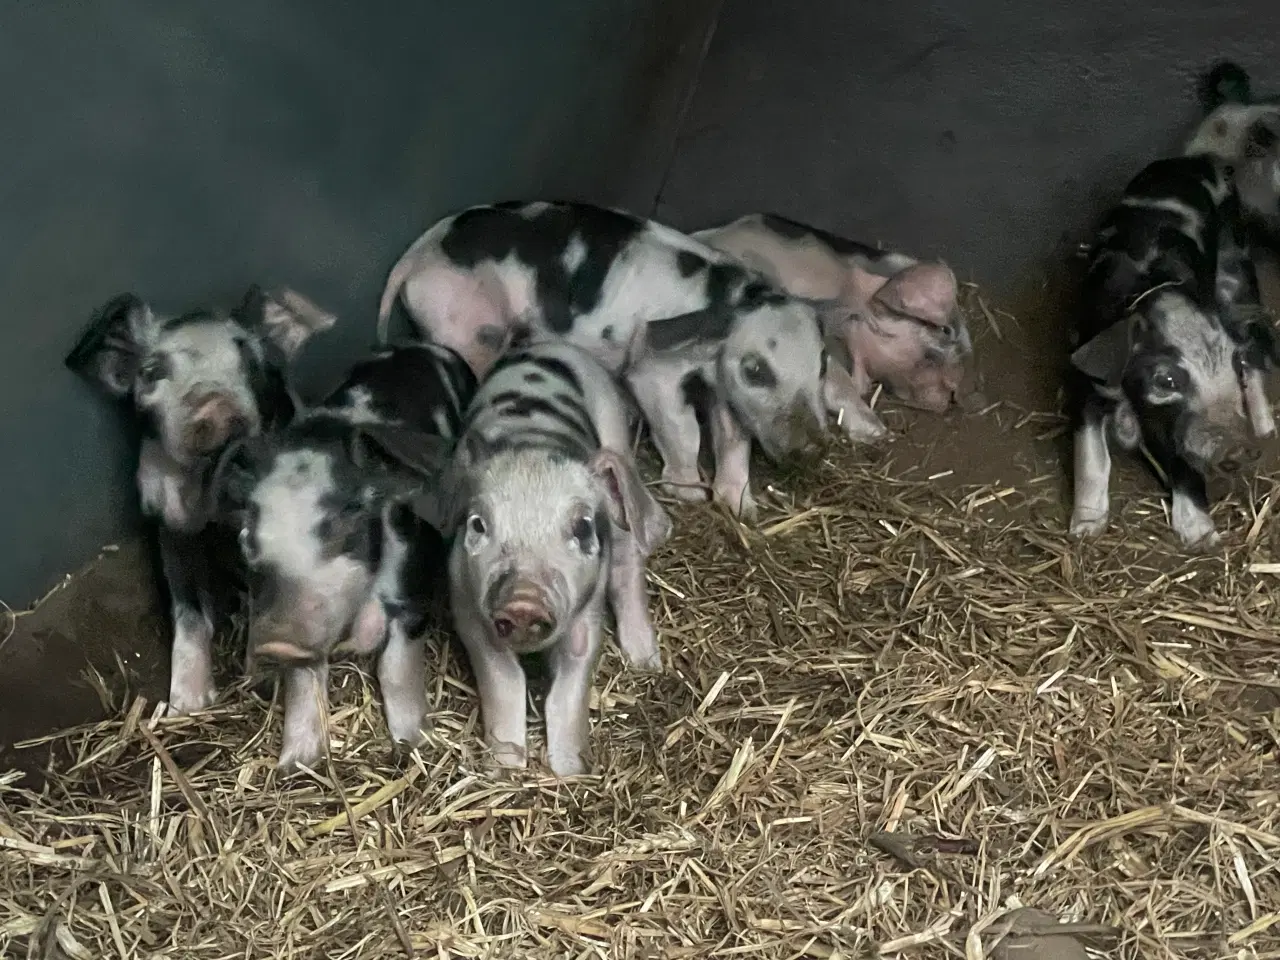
(1225, 82)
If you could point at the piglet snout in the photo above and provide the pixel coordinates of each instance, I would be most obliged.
(215, 420)
(279, 643)
(524, 618)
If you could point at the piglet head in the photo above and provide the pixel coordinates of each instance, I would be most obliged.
(535, 542)
(203, 379)
(313, 503)
(770, 373)
(911, 337)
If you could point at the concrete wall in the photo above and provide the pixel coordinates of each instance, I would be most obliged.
(988, 132)
(184, 150)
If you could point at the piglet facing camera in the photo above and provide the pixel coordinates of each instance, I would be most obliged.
(339, 559)
(550, 520)
(197, 382)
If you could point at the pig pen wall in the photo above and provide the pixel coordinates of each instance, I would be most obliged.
(989, 133)
(184, 150)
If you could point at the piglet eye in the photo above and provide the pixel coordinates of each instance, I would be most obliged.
(584, 531)
(149, 372)
(476, 524)
(1165, 381)
(756, 372)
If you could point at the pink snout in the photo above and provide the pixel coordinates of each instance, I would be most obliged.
(215, 420)
(280, 642)
(523, 618)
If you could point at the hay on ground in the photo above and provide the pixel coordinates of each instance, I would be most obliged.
(887, 719)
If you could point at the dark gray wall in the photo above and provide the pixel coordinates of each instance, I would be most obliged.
(184, 150)
(988, 132)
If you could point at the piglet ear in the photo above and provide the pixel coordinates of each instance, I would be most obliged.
(424, 454)
(1105, 356)
(422, 459)
(630, 504)
(923, 291)
(113, 343)
(286, 317)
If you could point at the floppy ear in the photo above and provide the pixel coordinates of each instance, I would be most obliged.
(425, 457)
(630, 504)
(113, 343)
(1105, 356)
(424, 454)
(285, 317)
(923, 291)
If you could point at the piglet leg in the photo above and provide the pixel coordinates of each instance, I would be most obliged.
(191, 683)
(732, 448)
(569, 699)
(306, 717)
(1092, 478)
(402, 675)
(1190, 509)
(630, 600)
(844, 400)
(1258, 405)
(500, 683)
(673, 425)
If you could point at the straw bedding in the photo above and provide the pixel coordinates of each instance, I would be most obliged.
(888, 717)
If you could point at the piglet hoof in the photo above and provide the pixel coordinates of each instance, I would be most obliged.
(740, 502)
(191, 696)
(508, 754)
(304, 753)
(864, 429)
(409, 733)
(641, 652)
(689, 491)
(567, 763)
(1085, 526)
(1198, 540)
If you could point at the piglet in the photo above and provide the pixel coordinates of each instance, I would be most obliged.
(1173, 345)
(331, 530)
(689, 327)
(549, 520)
(896, 316)
(196, 382)
(1242, 131)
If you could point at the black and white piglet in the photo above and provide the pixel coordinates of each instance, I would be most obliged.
(1243, 131)
(1174, 344)
(339, 559)
(647, 302)
(549, 520)
(197, 382)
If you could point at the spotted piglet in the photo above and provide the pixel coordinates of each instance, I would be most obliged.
(688, 326)
(197, 382)
(1174, 346)
(896, 316)
(549, 520)
(340, 560)
(1242, 131)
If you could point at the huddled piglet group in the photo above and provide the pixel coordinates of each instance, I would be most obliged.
(494, 450)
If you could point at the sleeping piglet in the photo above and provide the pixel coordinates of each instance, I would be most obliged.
(896, 316)
(549, 520)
